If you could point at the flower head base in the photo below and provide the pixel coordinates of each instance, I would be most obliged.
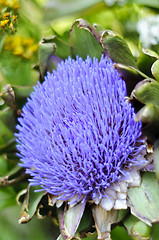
(77, 135)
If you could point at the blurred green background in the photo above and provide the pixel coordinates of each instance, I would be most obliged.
(21, 30)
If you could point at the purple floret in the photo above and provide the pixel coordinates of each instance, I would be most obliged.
(77, 134)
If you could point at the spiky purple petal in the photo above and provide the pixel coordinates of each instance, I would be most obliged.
(77, 134)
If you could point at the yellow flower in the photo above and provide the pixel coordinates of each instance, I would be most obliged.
(10, 3)
(14, 17)
(11, 26)
(6, 15)
(24, 47)
(3, 23)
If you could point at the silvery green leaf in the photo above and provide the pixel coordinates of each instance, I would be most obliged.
(72, 218)
(144, 200)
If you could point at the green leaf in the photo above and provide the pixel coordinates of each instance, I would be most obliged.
(145, 61)
(9, 146)
(14, 171)
(129, 223)
(7, 197)
(86, 220)
(44, 53)
(119, 233)
(149, 115)
(21, 94)
(137, 229)
(8, 118)
(6, 136)
(130, 75)
(51, 52)
(117, 48)
(150, 53)
(155, 70)
(83, 38)
(155, 231)
(3, 166)
(17, 72)
(144, 200)
(147, 92)
(141, 231)
(2, 39)
(62, 47)
(30, 204)
(122, 214)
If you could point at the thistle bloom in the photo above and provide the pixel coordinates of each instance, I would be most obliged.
(77, 135)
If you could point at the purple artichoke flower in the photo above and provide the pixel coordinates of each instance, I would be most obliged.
(77, 135)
